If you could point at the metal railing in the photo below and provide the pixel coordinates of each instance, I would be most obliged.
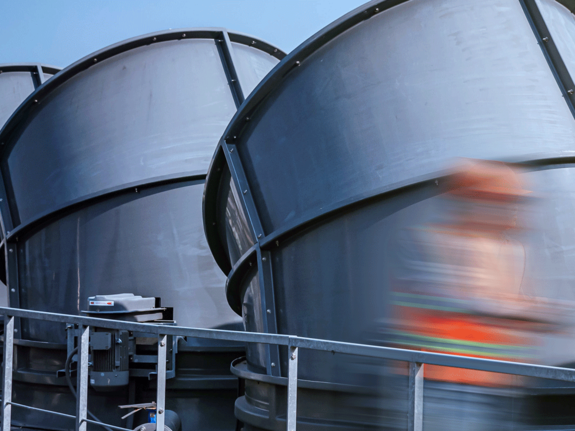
(416, 360)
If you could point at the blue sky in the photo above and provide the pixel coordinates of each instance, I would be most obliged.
(59, 32)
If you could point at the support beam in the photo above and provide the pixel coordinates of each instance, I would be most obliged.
(292, 389)
(82, 382)
(415, 407)
(161, 394)
(7, 368)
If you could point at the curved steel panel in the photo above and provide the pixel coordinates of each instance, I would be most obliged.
(149, 242)
(17, 82)
(14, 87)
(103, 170)
(341, 152)
(143, 109)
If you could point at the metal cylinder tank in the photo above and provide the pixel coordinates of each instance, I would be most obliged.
(347, 143)
(102, 176)
(17, 82)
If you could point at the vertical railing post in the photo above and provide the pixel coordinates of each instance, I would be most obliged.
(415, 407)
(161, 394)
(292, 389)
(8, 365)
(82, 382)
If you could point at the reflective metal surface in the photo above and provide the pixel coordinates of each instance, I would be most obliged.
(348, 143)
(102, 174)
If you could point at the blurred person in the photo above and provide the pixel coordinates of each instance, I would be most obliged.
(458, 289)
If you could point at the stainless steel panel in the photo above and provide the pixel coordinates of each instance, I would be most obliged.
(145, 113)
(561, 23)
(252, 65)
(14, 88)
(403, 94)
(149, 243)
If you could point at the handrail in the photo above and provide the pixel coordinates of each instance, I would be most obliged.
(416, 360)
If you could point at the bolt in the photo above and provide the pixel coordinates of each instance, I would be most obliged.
(160, 411)
(35, 100)
(273, 364)
(15, 330)
(0, 199)
(154, 39)
(570, 91)
(95, 60)
(253, 42)
(11, 250)
(136, 190)
(376, 10)
(297, 63)
(245, 191)
(545, 39)
(231, 150)
(13, 290)
(277, 243)
(436, 182)
(119, 341)
(264, 259)
(214, 223)
(276, 50)
(293, 357)
(162, 344)
(247, 118)
(260, 235)
(8, 233)
(184, 35)
(269, 311)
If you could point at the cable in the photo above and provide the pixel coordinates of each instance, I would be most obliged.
(69, 381)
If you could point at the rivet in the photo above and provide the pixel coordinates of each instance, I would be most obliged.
(297, 63)
(276, 50)
(277, 243)
(269, 311)
(136, 189)
(11, 250)
(214, 223)
(162, 344)
(13, 290)
(376, 10)
(247, 118)
(253, 42)
(273, 364)
(264, 259)
(231, 150)
(0, 199)
(436, 182)
(250, 264)
(35, 100)
(234, 137)
(154, 39)
(260, 235)
(292, 357)
(95, 60)
(245, 191)
(545, 39)
(184, 35)
(7, 232)
(570, 91)
(15, 330)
